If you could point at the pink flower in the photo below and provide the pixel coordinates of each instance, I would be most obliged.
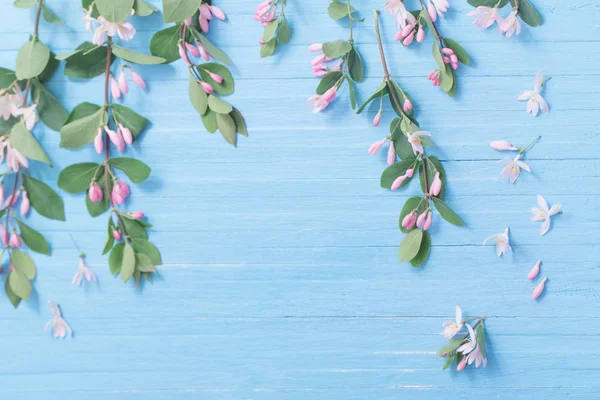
(183, 54)
(486, 16)
(434, 77)
(116, 234)
(438, 7)
(208, 88)
(315, 47)
(477, 357)
(136, 215)
(428, 221)
(12, 199)
(216, 77)
(192, 49)
(511, 25)
(512, 171)
(391, 156)
(4, 234)
(321, 102)
(375, 147)
(470, 343)
(436, 185)
(407, 105)
(114, 88)
(451, 328)
(95, 193)
(502, 145)
(137, 79)
(415, 140)
(123, 86)
(116, 138)
(462, 364)
(377, 119)
(539, 289)
(25, 204)
(57, 324)
(400, 180)
(203, 52)
(15, 240)
(126, 133)
(421, 219)
(409, 220)
(83, 272)
(421, 34)
(534, 271)
(99, 142)
(120, 192)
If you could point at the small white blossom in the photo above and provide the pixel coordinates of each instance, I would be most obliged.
(535, 101)
(502, 242)
(451, 328)
(544, 214)
(415, 140)
(512, 171)
(470, 342)
(83, 271)
(57, 324)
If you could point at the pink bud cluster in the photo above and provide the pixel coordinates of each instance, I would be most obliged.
(400, 180)
(197, 50)
(14, 240)
(409, 33)
(206, 14)
(119, 87)
(422, 221)
(318, 62)
(120, 138)
(449, 57)
(434, 77)
(266, 12)
(321, 102)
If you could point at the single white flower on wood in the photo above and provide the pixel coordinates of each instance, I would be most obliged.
(544, 213)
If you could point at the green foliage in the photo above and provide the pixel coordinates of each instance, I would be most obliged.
(337, 48)
(396, 170)
(32, 59)
(135, 170)
(76, 178)
(217, 53)
(198, 96)
(136, 57)
(355, 65)
(80, 132)
(44, 199)
(33, 239)
(414, 203)
(409, 248)
(132, 120)
(338, 10)
(114, 10)
(460, 52)
(433, 165)
(224, 88)
(23, 141)
(447, 213)
(86, 62)
(179, 10)
(329, 81)
(528, 13)
(50, 17)
(381, 91)
(164, 43)
(424, 251)
(51, 112)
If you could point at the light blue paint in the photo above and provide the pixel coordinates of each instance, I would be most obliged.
(280, 278)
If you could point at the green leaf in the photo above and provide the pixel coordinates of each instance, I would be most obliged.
(50, 69)
(461, 53)
(23, 264)
(33, 239)
(528, 13)
(226, 126)
(352, 93)
(336, 49)
(143, 263)
(488, 3)
(86, 63)
(433, 165)
(396, 170)
(401, 144)
(23, 141)
(135, 170)
(447, 79)
(44, 199)
(83, 131)
(143, 9)
(127, 263)
(409, 248)
(198, 96)
(400, 96)
(19, 285)
(136, 57)
(338, 10)
(132, 120)
(115, 259)
(51, 112)
(114, 10)
(329, 81)
(32, 59)
(7, 78)
(50, 17)
(214, 51)
(446, 212)
(240, 124)
(382, 90)
(449, 362)
(82, 110)
(179, 10)
(270, 30)
(110, 240)
(135, 229)
(481, 338)
(451, 346)
(145, 247)
(210, 121)
(219, 106)
(284, 33)
(76, 178)
(223, 88)
(164, 43)
(355, 65)
(268, 48)
(98, 208)
(26, 3)
(424, 250)
(414, 203)
(14, 299)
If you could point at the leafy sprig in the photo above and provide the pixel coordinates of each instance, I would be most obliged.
(207, 81)
(277, 29)
(523, 8)
(35, 65)
(131, 254)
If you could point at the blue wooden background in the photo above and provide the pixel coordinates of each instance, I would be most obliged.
(281, 278)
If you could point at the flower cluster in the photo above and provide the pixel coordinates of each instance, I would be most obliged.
(347, 65)
(467, 349)
(24, 100)
(486, 16)
(208, 80)
(112, 124)
(447, 53)
(277, 29)
(408, 141)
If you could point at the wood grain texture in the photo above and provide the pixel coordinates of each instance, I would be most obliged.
(281, 279)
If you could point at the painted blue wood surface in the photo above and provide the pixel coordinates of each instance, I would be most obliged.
(281, 278)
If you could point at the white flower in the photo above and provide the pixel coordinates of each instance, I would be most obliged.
(544, 214)
(477, 357)
(57, 324)
(486, 16)
(440, 7)
(10, 102)
(510, 25)
(451, 328)
(400, 13)
(470, 344)
(14, 159)
(87, 17)
(83, 271)
(502, 242)
(30, 117)
(512, 171)
(124, 30)
(535, 101)
(415, 140)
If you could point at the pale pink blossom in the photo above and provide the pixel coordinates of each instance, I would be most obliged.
(99, 141)
(501, 145)
(539, 289)
(436, 185)
(451, 328)
(375, 147)
(83, 272)
(114, 87)
(29, 115)
(401, 15)
(315, 47)
(391, 156)
(400, 180)
(415, 140)
(95, 193)
(136, 215)
(428, 221)
(409, 220)
(117, 235)
(439, 7)
(477, 357)
(470, 343)
(4, 234)
(58, 326)
(534, 271)
(535, 101)
(25, 204)
(87, 17)
(126, 133)
(124, 30)
(208, 88)
(544, 213)
(15, 240)
(14, 159)
(377, 119)
(502, 242)
(462, 364)
(137, 79)
(485, 16)
(320, 102)
(512, 171)
(123, 86)
(510, 25)
(116, 138)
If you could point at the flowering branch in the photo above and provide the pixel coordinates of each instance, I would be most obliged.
(187, 40)
(131, 254)
(348, 65)
(407, 141)
(35, 65)
(277, 30)
(486, 15)
(469, 347)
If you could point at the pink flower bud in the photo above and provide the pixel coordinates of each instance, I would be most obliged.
(462, 364)
(433, 75)
(95, 193)
(318, 60)
(126, 133)
(454, 66)
(375, 147)
(136, 215)
(428, 221)
(15, 240)
(208, 88)
(454, 59)
(1, 193)
(261, 42)
(421, 34)
(116, 138)
(216, 77)
(447, 51)
(397, 183)
(398, 36)
(192, 49)
(410, 172)
(539, 289)
(421, 219)
(99, 142)
(116, 234)
(25, 204)
(407, 105)
(377, 119)
(217, 12)
(436, 185)
(203, 52)
(123, 86)
(120, 192)
(319, 73)
(124, 188)
(409, 39)
(12, 199)
(114, 88)
(183, 54)
(391, 156)
(137, 79)
(188, 22)
(446, 60)
(329, 95)
(534, 271)
(409, 221)
(315, 47)
(502, 145)
(4, 234)
(407, 30)
(431, 12)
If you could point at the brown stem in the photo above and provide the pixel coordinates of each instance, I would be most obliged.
(37, 18)
(439, 35)
(424, 161)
